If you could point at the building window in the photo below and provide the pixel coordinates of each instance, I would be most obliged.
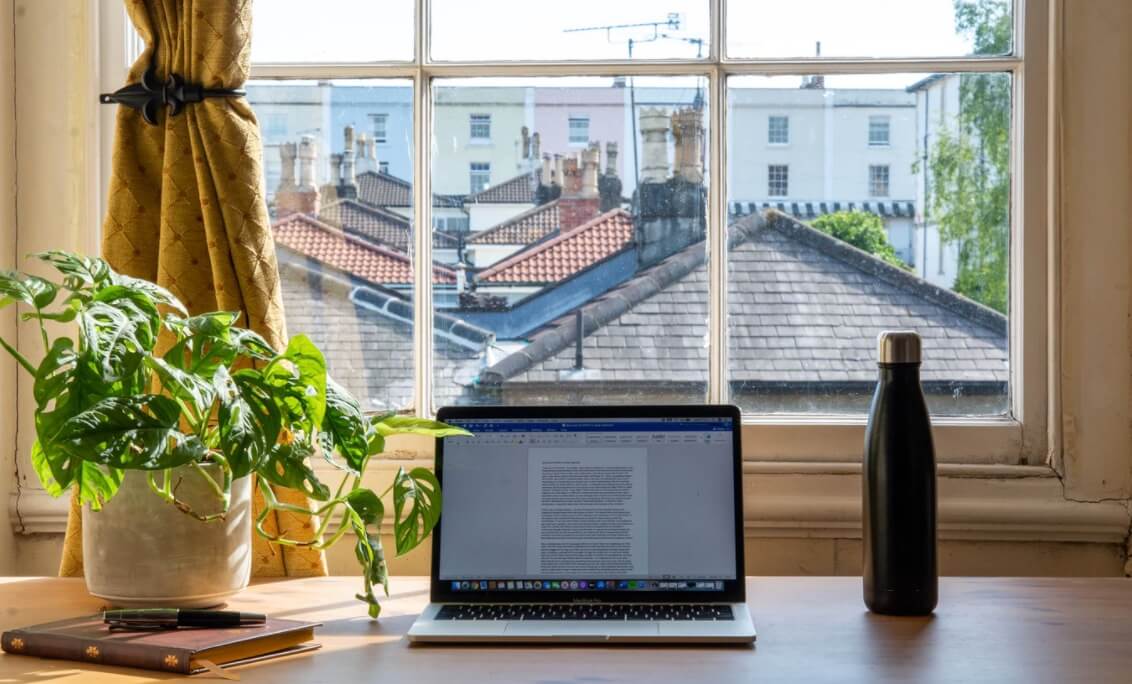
(878, 180)
(479, 127)
(579, 130)
(379, 127)
(383, 167)
(879, 131)
(778, 130)
(480, 176)
(777, 180)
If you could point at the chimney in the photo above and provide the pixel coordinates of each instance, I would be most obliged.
(548, 188)
(362, 164)
(609, 185)
(688, 131)
(669, 214)
(525, 137)
(302, 198)
(591, 162)
(348, 185)
(578, 204)
(330, 190)
(536, 145)
(461, 278)
(654, 137)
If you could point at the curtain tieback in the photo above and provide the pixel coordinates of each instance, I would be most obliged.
(151, 94)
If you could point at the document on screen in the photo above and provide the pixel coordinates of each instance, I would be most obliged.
(588, 512)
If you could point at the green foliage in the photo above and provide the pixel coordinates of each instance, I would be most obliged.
(107, 402)
(861, 229)
(969, 165)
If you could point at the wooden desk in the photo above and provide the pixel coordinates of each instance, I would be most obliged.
(810, 630)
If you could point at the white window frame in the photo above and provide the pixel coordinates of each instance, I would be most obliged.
(380, 128)
(875, 119)
(577, 141)
(771, 131)
(875, 187)
(778, 175)
(475, 121)
(1019, 439)
(383, 167)
(473, 172)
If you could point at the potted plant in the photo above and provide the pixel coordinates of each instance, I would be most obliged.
(164, 446)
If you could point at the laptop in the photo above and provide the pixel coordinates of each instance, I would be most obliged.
(589, 524)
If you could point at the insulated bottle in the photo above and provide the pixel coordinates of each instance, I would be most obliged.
(899, 486)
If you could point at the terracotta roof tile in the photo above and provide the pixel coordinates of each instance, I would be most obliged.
(377, 225)
(384, 190)
(517, 190)
(526, 228)
(369, 261)
(566, 254)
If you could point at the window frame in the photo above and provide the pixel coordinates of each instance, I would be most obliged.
(887, 119)
(1019, 438)
(777, 175)
(770, 130)
(475, 120)
(472, 173)
(570, 130)
(874, 173)
(383, 119)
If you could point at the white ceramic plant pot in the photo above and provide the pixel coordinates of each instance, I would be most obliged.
(140, 551)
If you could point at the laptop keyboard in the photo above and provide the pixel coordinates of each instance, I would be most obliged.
(602, 611)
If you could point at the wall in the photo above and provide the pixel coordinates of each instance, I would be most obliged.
(7, 260)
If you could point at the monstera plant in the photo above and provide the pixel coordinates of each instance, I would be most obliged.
(107, 401)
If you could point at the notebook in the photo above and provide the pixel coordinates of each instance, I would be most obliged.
(188, 651)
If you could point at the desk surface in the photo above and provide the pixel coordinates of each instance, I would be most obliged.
(810, 630)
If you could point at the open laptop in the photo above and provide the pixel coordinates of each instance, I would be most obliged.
(599, 524)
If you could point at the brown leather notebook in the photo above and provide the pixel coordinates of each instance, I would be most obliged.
(186, 650)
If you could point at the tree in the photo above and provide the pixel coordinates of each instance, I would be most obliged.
(861, 229)
(970, 163)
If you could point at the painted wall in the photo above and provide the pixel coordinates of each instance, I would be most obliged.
(455, 150)
(7, 261)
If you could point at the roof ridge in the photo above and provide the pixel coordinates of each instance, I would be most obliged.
(472, 197)
(369, 208)
(515, 219)
(894, 275)
(543, 246)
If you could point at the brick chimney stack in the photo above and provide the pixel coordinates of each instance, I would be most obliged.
(688, 130)
(579, 202)
(302, 198)
(654, 135)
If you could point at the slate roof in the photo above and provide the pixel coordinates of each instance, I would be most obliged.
(517, 190)
(384, 190)
(378, 225)
(804, 307)
(526, 228)
(366, 335)
(367, 260)
(565, 254)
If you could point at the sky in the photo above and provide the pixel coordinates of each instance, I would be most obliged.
(374, 30)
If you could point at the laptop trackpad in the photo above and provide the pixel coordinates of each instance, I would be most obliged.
(581, 629)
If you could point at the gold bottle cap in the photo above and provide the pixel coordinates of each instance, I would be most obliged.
(898, 346)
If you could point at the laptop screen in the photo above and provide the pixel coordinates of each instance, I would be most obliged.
(588, 505)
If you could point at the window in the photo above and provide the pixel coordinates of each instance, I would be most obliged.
(778, 130)
(579, 130)
(878, 180)
(777, 180)
(879, 131)
(480, 176)
(383, 167)
(379, 123)
(479, 127)
(770, 345)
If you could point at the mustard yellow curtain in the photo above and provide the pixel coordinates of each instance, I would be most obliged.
(187, 210)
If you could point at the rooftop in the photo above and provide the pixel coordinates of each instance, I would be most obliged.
(383, 190)
(526, 228)
(517, 190)
(565, 254)
(378, 225)
(804, 308)
(362, 258)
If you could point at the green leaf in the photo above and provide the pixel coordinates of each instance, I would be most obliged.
(79, 271)
(152, 290)
(298, 377)
(193, 389)
(402, 425)
(49, 472)
(248, 417)
(416, 507)
(56, 372)
(367, 505)
(344, 428)
(31, 290)
(286, 465)
(139, 432)
(251, 344)
(97, 483)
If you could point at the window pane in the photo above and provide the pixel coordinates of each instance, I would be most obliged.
(580, 29)
(341, 210)
(868, 28)
(851, 238)
(332, 31)
(561, 235)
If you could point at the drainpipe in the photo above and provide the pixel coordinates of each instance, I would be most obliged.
(578, 338)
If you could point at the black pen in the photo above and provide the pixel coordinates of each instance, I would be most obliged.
(171, 618)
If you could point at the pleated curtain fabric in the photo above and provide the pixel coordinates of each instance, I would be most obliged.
(187, 210)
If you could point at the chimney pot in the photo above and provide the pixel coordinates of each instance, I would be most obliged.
(654, 136)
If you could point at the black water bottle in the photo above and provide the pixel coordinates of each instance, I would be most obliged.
(899, 486)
